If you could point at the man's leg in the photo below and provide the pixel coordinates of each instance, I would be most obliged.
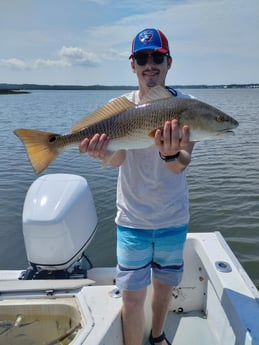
(162, 295)
(133, 318)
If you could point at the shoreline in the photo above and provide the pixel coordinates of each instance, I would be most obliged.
(12, 92)
(6, 88)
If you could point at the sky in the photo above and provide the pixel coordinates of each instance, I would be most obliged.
(88, 42)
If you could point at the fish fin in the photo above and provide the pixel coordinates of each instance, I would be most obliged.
(156, 93)
(110, 109)
(39, 149)
(152, 134)
(106, 160)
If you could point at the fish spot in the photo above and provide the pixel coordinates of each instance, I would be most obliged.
(52, 139)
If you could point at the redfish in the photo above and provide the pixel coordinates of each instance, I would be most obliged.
(129, 126)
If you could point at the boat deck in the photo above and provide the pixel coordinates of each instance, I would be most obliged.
(189, 328)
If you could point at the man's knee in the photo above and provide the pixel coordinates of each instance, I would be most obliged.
(133, 300)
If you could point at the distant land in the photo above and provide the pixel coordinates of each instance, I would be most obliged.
(24, 88)
(11, 92)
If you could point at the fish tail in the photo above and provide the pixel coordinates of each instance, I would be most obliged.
(40, 147)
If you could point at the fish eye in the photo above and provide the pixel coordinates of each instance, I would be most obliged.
(220, 118)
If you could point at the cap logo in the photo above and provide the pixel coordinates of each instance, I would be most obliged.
(146, 36)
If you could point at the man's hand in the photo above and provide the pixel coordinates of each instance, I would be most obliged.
(169, 141)
(95, 147)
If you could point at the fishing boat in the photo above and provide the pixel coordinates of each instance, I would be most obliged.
(62, 299)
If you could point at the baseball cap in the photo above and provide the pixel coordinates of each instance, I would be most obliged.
(150, 39)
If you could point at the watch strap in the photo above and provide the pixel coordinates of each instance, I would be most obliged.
(168, 159)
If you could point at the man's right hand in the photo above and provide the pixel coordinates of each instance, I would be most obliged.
(95, 147)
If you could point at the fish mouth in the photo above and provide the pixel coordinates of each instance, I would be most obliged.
(235, 123)
(230, 131)
(226, 132)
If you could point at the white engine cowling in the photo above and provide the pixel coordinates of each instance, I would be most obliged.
(59, 220)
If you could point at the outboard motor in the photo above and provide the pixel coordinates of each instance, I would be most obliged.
(59, 221)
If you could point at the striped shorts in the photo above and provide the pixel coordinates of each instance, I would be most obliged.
(140, 252)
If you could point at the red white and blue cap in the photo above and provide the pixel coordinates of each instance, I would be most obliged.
(150, 39)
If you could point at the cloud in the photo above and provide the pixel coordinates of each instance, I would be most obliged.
(13, 63)
(68, 57)
(47, 63)
(210, 40)
(77, 56)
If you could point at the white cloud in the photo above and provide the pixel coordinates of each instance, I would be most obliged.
(47, 63)
(13, 63)
(68, 57)
(77, 56)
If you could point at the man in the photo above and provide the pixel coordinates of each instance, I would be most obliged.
(152, 201)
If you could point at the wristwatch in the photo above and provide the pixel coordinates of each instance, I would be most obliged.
(168, 159)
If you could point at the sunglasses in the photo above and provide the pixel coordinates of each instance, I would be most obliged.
(142, 58)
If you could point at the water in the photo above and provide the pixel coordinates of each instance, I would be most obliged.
(223, 176)
(39, 323)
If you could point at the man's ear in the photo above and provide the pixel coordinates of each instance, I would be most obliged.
(169, 62)
(132, 63)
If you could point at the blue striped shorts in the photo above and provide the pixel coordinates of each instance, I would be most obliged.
(140, 252)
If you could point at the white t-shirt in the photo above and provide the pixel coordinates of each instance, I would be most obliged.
(149, 195)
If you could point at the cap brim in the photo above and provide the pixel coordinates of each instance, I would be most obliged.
(154, 48)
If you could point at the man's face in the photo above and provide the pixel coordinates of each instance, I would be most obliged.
(151, 73)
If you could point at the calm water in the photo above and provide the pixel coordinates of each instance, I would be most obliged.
(223, 176)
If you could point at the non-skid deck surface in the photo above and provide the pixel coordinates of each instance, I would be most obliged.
(188, 328)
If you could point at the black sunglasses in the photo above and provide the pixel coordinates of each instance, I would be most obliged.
(142, 58)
